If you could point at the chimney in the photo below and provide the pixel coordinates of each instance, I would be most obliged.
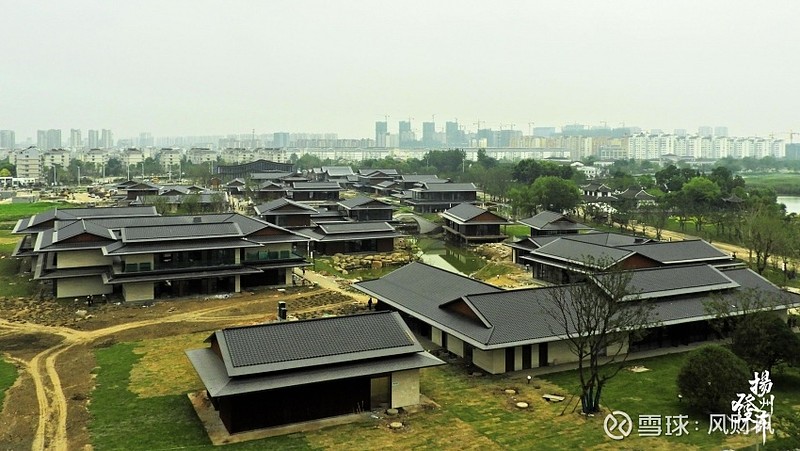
(197, 220)
(281, 311)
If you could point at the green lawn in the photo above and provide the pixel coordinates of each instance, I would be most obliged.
(474, 413)
(517, 230)
(12, 212)
(12, 283)
(655, 392)
(8, 374)
(783, 184)
(123, 421)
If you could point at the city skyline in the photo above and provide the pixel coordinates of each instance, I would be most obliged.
(201, 68)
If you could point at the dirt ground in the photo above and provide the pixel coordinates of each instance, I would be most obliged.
(52, 345)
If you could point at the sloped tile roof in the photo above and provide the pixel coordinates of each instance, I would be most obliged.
(282, 202)
(192, 231)
(465, 211)
(672, 252)
(323, 341)
(360, 201)
(549, 220)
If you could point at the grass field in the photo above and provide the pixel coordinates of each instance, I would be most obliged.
(8, 374)
(517, 230)
(11, 282)
(783, 184)
(12, 212)
(136, 407)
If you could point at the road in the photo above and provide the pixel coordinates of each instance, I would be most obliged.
(51, 423)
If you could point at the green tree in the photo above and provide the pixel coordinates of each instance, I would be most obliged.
(762, 233)
(190, 204)
(5, 172)
(711, 377)
(485, 160)
(763, 340)
(522, 202)
(528, 170)
(701, 195)
(114, 167)
(308, 161)
(555, 194)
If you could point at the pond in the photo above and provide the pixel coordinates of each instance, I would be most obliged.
(449, 257)
(792, 203)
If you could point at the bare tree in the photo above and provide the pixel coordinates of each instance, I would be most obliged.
(598, 319)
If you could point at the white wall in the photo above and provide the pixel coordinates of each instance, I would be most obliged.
(405, 388)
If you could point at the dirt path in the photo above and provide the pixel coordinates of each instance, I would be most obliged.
(51, 424)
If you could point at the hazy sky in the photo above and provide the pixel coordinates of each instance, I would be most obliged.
(202, 67)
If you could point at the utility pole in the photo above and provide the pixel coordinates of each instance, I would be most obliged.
(79, 176)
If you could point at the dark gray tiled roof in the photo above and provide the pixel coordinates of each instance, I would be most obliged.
(428, 186)
(338, 171)
(601, 238)
(585, 254)
(465, 211)
(548, 220)
(83, 213)
(419, 177)
(315, 186)
(273, 175)
(673, 281)
(355, 227)
(272, 186)
(671, 252)
(420, 288)
(214, 375)
(367, 172)
(65, 230)
(180, 232)
(276, 204)
(523, 316)
(146, 247)
(363, 201)
(322, 341)
(635, 193)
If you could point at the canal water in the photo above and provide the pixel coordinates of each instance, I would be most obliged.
(451, 258)
(792, 203)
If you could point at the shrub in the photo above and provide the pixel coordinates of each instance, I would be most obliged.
(764, 340)
(711, 377)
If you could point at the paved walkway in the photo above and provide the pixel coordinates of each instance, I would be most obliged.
(425, 226)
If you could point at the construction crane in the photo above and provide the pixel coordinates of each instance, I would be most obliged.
(791, 135)
(479, 123)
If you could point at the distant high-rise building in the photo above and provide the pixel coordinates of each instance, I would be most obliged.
(75, 140)
(280, 139)
(429, 134)
(721, 131)
(453, 135)
(7, 139)
(48, 139)
(573, 129)
(381, 130)
(545, 132)
(679, 132)
(106, 139)
(146, 139)
(705, 130)
(405, 134)
(94, 139)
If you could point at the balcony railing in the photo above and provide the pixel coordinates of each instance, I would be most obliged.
(266, 256)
